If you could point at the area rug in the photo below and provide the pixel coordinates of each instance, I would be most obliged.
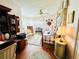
(40, 55)
(35, 40)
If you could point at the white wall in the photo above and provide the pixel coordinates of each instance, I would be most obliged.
(35, 21)
(32, 21)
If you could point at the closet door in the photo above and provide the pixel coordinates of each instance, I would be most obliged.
(76, 52)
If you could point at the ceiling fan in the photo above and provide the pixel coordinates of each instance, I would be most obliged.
(43, 11)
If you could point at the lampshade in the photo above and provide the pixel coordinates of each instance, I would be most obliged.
(61, 30)
(7, 35)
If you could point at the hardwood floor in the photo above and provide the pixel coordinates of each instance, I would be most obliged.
(24, 54)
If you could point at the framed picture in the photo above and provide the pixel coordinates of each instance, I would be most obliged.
(71, 16)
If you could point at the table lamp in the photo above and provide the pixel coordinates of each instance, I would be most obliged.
(61, 31)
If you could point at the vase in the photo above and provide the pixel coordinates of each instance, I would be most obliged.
(7, 35)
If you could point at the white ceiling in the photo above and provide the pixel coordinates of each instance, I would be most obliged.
(35, 3)
(32, 7)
